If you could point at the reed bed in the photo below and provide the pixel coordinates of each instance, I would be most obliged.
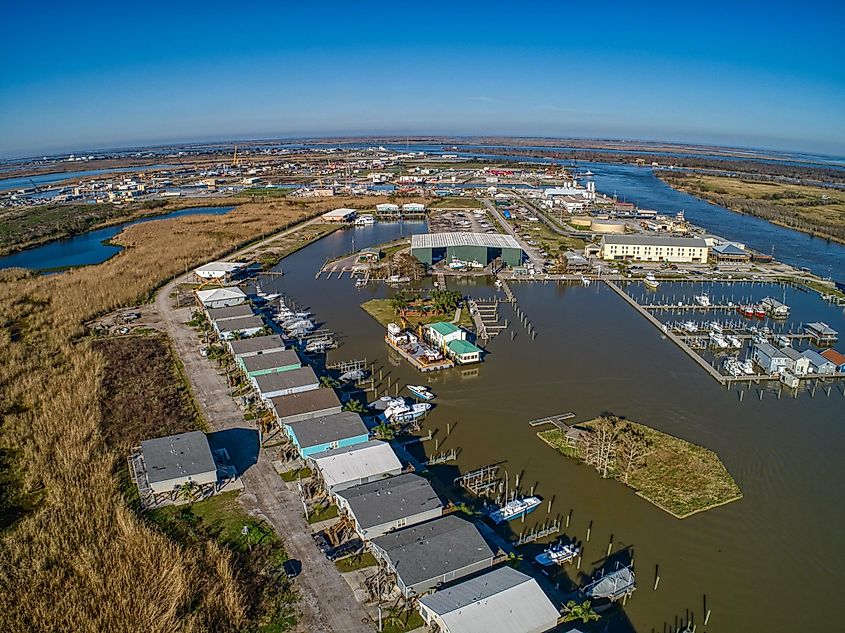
(83, 560)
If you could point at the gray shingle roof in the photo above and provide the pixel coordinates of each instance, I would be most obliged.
(271, 361)
(393, 498)
(328, 428)
(475, 590)
(256, 344)
(218, 314)
(286, 380)
(175, 456)
(239, 323)
(434, 548)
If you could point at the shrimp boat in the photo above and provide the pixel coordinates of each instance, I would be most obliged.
(759, 311)
(557, 554)
(746, 310)
(514, 509)
(651, 282)
(421, 391)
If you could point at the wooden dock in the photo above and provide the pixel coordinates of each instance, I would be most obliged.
(416, 363)
(557, 420)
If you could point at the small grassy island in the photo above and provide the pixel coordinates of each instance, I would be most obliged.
(676, 476)
(440, 305)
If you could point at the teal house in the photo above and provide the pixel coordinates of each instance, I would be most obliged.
(262, 364)
(324, 433)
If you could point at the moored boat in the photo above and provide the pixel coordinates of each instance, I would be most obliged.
(557, 554)
(651, 282)
(703, 300)
(514, 509)
(421, 391)
(409, 414)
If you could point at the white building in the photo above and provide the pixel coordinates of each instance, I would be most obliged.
(413, 207)
(343, 468)
(798, 364)
(503, 600)
(218, 270)
(769, 357)
(340, 215)
(652, 248)
(221, 297)
(387, 207)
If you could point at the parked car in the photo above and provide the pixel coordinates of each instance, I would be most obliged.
(292, 568)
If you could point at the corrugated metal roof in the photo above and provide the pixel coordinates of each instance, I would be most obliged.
(444, 240)
(444, 328)
(370, 459)
(290, 379)
(503, 600)
(219, 314)
(240, 323)
(390, 499)
(463, 347)
(273, 360)
(219, 294)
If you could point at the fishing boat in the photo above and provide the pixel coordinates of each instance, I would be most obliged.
(414, 412)
(651, 282)
(746, 310)
(689, 326)
(703, 300)
(733, 341)
(514, 509)
(557, 554)
(458, 264)
(759, 311)
(421, 391)
(364, 220)
(716, 327)
(747, 367)
(386, 401)
(783, 340)
(717, 340)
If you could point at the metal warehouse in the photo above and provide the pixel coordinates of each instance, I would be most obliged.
(479, 247)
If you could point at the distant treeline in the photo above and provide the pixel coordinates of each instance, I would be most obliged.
(776, 171)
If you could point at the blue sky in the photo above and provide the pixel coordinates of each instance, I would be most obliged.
(88, 75)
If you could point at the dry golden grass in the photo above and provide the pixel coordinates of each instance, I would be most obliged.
(84, 561)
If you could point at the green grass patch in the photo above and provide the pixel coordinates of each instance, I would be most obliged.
(299, 473)
(675, 475)
(398, 621)
(329, 512)
(382, 312)
(355, 562)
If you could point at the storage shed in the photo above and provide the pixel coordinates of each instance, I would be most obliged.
(390, 504)
(503, 600)
(343, 468)
(325, 432)
(433, 553)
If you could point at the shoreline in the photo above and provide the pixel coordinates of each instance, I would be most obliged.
(812, 233)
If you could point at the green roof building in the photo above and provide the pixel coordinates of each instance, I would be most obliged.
(483, 248)
(463, 352)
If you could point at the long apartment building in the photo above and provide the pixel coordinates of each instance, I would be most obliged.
(653, 248)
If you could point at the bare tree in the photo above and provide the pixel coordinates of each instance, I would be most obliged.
(600, 444)
(633, 449)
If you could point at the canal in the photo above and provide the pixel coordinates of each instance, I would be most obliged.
(780, 545)
(88, 248)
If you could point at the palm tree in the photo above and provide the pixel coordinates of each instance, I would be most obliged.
(583, 612)
(356, 406)
(400, 301)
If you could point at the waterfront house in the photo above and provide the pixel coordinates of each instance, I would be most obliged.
(442, 332)
(232, 312)
(342, 468)
(413, 207)
(427, 555)
(323, 433)
(769, 358)
(286, 382)
(219, 271)
(818, 364)
(164, 465)
(255, 346)
(221, 297)
(836, 358)
(821, 333)
(305, 405)
(239, 327)
(387, 208)
(729, 252)
(390, 504)
(503, 600)
(463, 352)
(261, 364)
(797, 363)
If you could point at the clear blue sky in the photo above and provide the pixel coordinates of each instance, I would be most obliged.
(85, 75)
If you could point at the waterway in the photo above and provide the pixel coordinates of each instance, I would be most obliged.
(25, 182)
(773, 557)
(87, 248)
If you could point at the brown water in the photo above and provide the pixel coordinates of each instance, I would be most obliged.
(760, 564)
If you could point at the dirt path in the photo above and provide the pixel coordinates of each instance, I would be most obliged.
(327, 603)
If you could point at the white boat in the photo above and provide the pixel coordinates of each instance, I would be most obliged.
(733, 341)
(360, 282)
(651, 282)
(457, 264)
(386, 401)
(421, 391)
(733, 367)
(703, 300)
(353, 376)
(585, 281)
(716, 327)
(319, 345)
(689, 326)
(364, 220)
(514, 509)
(414, 412)
(557, 554)
(497, 283)
(717, 340)
(783, 341)
(747, 367)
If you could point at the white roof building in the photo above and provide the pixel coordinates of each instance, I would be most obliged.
(218, 270)
(343, 468)
(221, 297)
(501, 601)
(340, 215)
